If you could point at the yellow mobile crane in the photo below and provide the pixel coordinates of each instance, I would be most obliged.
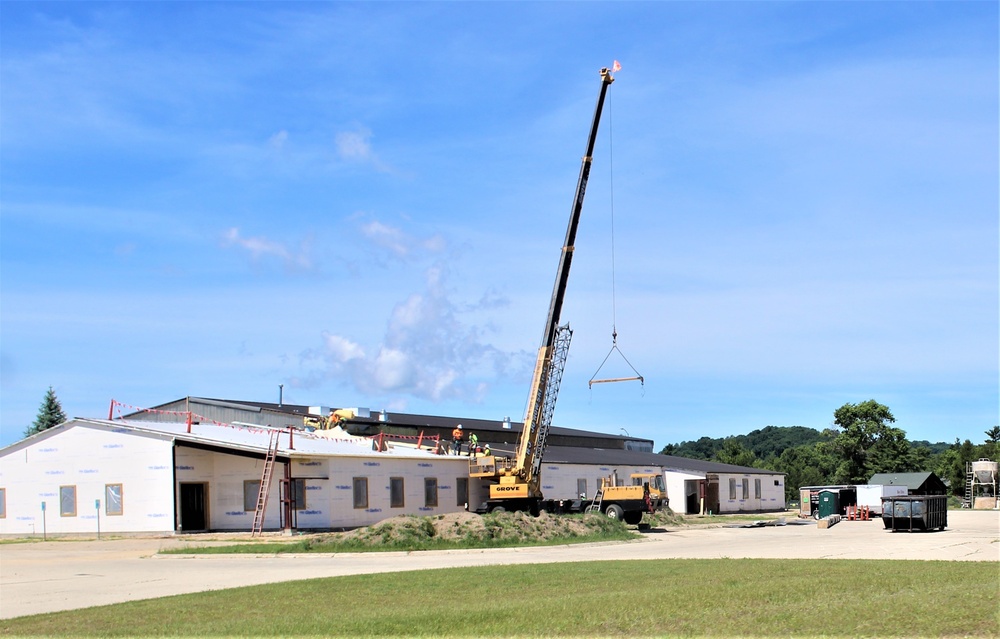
(516, 481)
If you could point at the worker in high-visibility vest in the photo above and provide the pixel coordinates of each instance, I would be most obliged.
(456, 440)
(473, 444)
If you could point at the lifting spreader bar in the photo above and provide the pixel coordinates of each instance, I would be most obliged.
(614, 347)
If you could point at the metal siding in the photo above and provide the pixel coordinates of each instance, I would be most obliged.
(176, 412)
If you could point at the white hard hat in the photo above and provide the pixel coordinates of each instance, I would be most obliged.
(459, 427)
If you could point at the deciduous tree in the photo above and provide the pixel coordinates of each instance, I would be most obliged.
(867, 443)
(735, 453)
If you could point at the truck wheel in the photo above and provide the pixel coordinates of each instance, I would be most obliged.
(614, 511)
(633, 517)
(498, 509)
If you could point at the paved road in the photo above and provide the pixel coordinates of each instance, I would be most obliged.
(63, 575)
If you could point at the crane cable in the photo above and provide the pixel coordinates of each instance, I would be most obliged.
(614, 302)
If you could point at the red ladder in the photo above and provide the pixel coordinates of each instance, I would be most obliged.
(265, 485)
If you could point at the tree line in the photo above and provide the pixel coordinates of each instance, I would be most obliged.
(862, 442)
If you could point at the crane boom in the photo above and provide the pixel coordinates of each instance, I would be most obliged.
(520, 477)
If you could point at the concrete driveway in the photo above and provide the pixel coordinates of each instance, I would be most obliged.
(64, 575)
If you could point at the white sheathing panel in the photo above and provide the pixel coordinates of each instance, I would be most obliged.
(676, 489)
(224, 476)
(329, 492)
(560, 481)
(88, 458)
(772, 493)
(335, 496)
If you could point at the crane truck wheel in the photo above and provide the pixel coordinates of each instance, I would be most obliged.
(498, 509)
(633, 517)
(615, 512)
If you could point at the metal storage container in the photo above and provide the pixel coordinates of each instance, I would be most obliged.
(915, 513)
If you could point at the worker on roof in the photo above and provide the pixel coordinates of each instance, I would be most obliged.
(473, 444)
(456, 440)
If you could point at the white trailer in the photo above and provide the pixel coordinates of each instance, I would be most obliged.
(872, 495)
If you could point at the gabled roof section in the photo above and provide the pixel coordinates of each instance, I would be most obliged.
(37, 437)
(239, 439)
(913, 481)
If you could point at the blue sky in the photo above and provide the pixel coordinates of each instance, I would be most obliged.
(365, 203)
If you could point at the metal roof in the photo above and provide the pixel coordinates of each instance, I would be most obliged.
(913, 481)
(255, 441)
(247, 439)
(408, 419)
(577, 455)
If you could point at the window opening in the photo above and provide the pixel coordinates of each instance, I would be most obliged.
(361, 492)
(299, 493)
(396, 492)
(251, 490)
(430, 492)
(113, 499)
(67, 501)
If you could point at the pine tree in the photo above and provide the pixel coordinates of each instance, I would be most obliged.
(50, 414)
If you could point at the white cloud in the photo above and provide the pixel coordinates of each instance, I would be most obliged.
(355, 147)
(261, 248)
(428, 352)
(387, 237)
(278, 140)
(399, 243)
(341, 349)
(392, 370)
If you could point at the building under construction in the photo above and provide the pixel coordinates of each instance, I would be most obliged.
(198, 464)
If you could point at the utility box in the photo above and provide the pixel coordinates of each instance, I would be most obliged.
(829, 503)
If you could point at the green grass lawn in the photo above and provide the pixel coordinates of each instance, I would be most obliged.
(675, 597)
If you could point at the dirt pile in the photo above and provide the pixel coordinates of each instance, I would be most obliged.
(457, 527)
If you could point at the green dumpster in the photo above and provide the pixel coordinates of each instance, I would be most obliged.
(829, 503)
